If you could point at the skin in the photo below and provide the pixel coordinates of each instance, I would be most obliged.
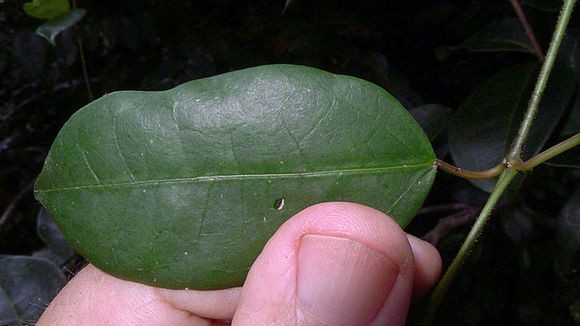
(331, 264)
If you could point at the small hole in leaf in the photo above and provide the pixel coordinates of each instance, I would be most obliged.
(279, 204)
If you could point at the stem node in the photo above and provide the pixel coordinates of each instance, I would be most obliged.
(513, 158)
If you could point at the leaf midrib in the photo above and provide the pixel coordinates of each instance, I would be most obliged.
(240, 177)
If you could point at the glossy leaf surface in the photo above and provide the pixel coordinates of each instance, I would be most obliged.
(182, 188)
(53, 27)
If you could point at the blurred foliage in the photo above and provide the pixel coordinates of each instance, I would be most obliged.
(520, 273)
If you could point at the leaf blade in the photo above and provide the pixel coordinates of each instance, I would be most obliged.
(197, 170)
(55, 26)
(46, 9)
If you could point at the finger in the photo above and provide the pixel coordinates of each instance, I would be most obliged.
(93, 297)
(331, 264)
(427, 266)
(217, 305)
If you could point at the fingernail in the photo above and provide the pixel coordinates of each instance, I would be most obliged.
(341, 281)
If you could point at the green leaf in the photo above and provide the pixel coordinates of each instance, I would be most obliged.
(432, 117)
(46, 9)
(182, 188)
(52, 28)
(487, 121)
(546, 5)
(50, 234)
(27, 286)
(499, 36)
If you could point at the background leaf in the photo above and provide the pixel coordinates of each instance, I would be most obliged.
(53, 27)
(568, 234)
(487, 121)
(180, 188)
(46, 9)
(433, 118)
(568, 254)
(149, 45)
(27, 285)
(568, 159)
(548, 5)
(572, 125)
(500, 35)
(49, 232)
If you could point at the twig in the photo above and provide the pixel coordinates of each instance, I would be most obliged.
(448, 223)
(534, 103)
(550, 152)
(516, 162)
(466, 174)
(529, 32)
(441, 288)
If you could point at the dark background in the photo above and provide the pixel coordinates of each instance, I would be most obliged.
(513, 275)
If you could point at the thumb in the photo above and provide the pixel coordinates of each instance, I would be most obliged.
(331, 264)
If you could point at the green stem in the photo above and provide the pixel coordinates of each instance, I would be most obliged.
(466, 174)
(534, 103)
(518, 164)
(441, 288)
(508, 174)
(550, 152)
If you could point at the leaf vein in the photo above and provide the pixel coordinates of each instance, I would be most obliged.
(404, 193)
(88, 164)
(121, 155)
(203, 213)
(178, 130)
(247, 176)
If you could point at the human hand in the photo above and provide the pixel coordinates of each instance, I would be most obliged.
(331, 264)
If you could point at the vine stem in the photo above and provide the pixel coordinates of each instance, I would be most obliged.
(518, 164)
(534, 103)
(507, 175)
(443, 285)
(466, 174)
(550, 152)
